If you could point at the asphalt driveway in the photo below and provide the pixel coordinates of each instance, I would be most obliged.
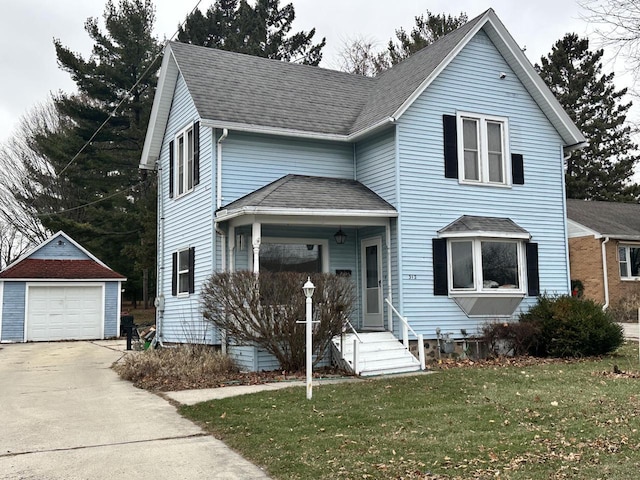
(64, 414)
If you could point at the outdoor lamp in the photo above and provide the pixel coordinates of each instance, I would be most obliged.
(308, 288)
(340, 236)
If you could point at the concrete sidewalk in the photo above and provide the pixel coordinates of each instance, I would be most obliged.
(631, 331)
(65, 414)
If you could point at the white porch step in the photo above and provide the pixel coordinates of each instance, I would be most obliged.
(380, 353)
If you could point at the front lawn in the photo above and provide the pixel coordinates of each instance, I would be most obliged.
(553, 420)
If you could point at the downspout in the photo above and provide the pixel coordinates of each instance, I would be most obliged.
(219, 231)
(225, 133)
(159, 302)
(604, 274)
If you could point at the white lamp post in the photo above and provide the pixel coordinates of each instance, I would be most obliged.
(308, 289)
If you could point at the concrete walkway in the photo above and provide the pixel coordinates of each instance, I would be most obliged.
(64, 414)
(631, 331)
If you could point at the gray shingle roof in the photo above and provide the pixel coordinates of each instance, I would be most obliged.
(313, 193)
(279, 94)
(474, 225)
(612, 219)
(269, 92)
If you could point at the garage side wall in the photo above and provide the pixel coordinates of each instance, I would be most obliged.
(111, 307)
(13, 308)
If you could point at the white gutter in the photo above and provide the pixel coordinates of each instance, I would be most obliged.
(605, 274)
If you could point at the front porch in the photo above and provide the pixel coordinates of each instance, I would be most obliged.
(318, 225)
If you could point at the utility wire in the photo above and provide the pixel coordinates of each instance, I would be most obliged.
(115, 109)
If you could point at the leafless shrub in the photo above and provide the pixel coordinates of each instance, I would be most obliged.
(511, 338)
(265, 310)
(626, 309)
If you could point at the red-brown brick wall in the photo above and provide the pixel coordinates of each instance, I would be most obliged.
(585, 258)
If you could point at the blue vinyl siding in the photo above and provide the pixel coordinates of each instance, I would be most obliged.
(376, 165)
(252, 161)
(13, 309)
(53, 251)
(188, 222)
(111, 313)
(429, 201)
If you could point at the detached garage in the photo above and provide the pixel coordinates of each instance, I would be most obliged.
(59, 291)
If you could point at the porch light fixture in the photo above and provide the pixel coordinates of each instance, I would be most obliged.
(340, 236)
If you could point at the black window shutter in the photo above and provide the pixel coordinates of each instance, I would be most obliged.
(533, 277)
(517, 169)
(192, 264)
(174, 274)
(440, 280)
(196, 153)
(171, 169)
(450, 146)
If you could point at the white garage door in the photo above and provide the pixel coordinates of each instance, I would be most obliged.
(64, 313)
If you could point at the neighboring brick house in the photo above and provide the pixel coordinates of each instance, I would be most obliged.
(605, 237)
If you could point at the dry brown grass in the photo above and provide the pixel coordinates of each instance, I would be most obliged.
(184, 366)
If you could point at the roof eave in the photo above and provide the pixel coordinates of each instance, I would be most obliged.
(160, 110)
(486, 234)
(57, 280)
(225, 214)
(267, 130)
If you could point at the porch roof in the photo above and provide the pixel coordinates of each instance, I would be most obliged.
(304, 195)
(469, 225)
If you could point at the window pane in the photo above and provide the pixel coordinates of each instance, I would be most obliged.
(290, 257)
(180, 159)
(622, 253)
(190, 160)
(494, 136)
(471, 170)
(471, 153)
(470, 134)
(373, 302)
(462, 264)
(183, 283)
(183, 260)
(500, 265)
(624, 272)
(634, 257)
(495, 168)
(371, 255)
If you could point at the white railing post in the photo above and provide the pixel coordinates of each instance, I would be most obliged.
(356, 355)
(423, 364)
(405, 333)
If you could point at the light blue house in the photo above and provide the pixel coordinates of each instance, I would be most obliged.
(437, 185)
(59, 291)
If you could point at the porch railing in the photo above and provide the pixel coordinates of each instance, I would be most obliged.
(406, 328)
(356, 346)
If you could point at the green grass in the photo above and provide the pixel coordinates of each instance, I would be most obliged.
(563, 420)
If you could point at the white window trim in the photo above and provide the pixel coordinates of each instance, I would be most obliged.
(476, 250)
(304, 241)
(184, 271)
(176, 159)
(482, 120)
(627, 247)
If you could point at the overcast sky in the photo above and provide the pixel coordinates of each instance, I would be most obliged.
(28, 27)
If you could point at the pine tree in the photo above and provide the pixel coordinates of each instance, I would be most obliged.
(263, 31)
(360, 57)
(98, 195)
(602, 170)
(428, 29)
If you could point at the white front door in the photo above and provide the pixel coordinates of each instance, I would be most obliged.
(372, 284)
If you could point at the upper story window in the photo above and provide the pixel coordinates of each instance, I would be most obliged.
(629, 259)
(184, 160)
(476, 150)
(482, 149)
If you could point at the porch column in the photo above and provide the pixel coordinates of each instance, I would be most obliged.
(255, 241)
(232, 248)
(389, 282)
